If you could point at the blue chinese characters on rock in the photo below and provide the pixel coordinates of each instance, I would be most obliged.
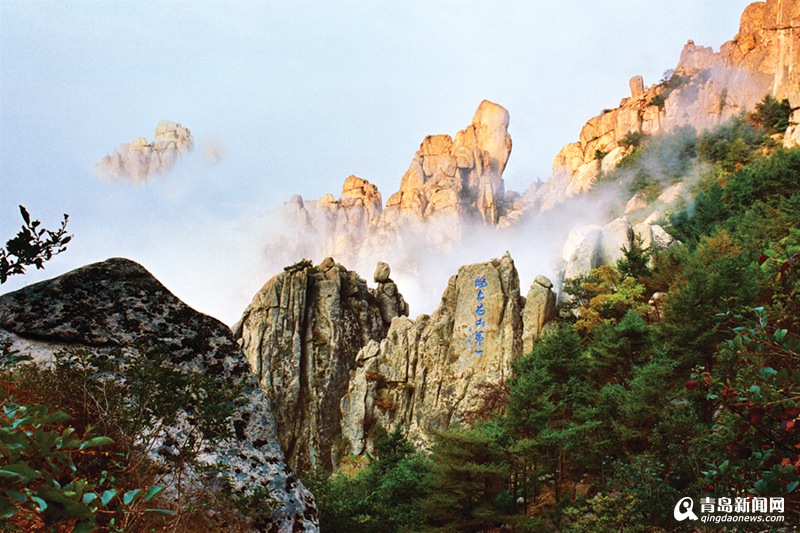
(478, 331)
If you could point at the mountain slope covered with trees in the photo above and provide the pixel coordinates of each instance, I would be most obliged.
(669, 374)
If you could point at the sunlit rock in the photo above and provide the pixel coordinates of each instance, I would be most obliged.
(301, 334)
(140, 160)
(705, 89)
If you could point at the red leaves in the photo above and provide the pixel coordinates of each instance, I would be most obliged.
(755, 414)
(692, 384)
(794, 412)
(761, 259)
(792, 262)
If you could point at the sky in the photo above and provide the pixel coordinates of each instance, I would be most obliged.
(300, 95)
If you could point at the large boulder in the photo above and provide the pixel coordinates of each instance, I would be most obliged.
(617, 235)
(581, 251)
(540, 308)
(113, 308)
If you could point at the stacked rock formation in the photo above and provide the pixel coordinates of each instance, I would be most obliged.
(301, 334)
(139, 160)
(451, 183)
(450, 176)
(113, 307)
(540, 308)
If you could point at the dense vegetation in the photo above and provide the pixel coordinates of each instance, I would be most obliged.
(76, 437)
(674, 373)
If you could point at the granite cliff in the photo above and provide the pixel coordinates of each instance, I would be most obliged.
(703, 90)
(424, 374)
(336, 357)
(451, 185)
(302, 334)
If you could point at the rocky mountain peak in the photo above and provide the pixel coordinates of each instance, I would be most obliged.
(451, 183)
(425, 374)
(705, 89)
(139, 160)
(450, 176)
(337, 357)
(302, 333)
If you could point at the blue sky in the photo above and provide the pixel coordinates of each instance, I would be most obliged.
(301, 95)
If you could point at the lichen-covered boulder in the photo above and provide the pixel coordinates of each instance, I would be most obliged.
(112, 308)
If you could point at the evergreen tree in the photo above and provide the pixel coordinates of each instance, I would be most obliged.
(470, 491)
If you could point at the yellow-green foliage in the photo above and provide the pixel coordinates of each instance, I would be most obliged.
(608, 296)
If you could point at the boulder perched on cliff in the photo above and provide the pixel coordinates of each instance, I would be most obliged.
(540, 308)
(425, 373)
(116, 308)
(301, 334)
(139, 160)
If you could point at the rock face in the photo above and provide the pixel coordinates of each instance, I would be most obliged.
(116, 305)
(540, 308)
(336, 357)
(139, 160)
(425, 373)
(451, 185)
(450, 176)
(588, 247)
(581, 251)
(301, 334)
(705, 89)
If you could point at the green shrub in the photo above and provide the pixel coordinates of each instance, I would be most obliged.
(658, 101)
(92, 467)
(772, 115)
